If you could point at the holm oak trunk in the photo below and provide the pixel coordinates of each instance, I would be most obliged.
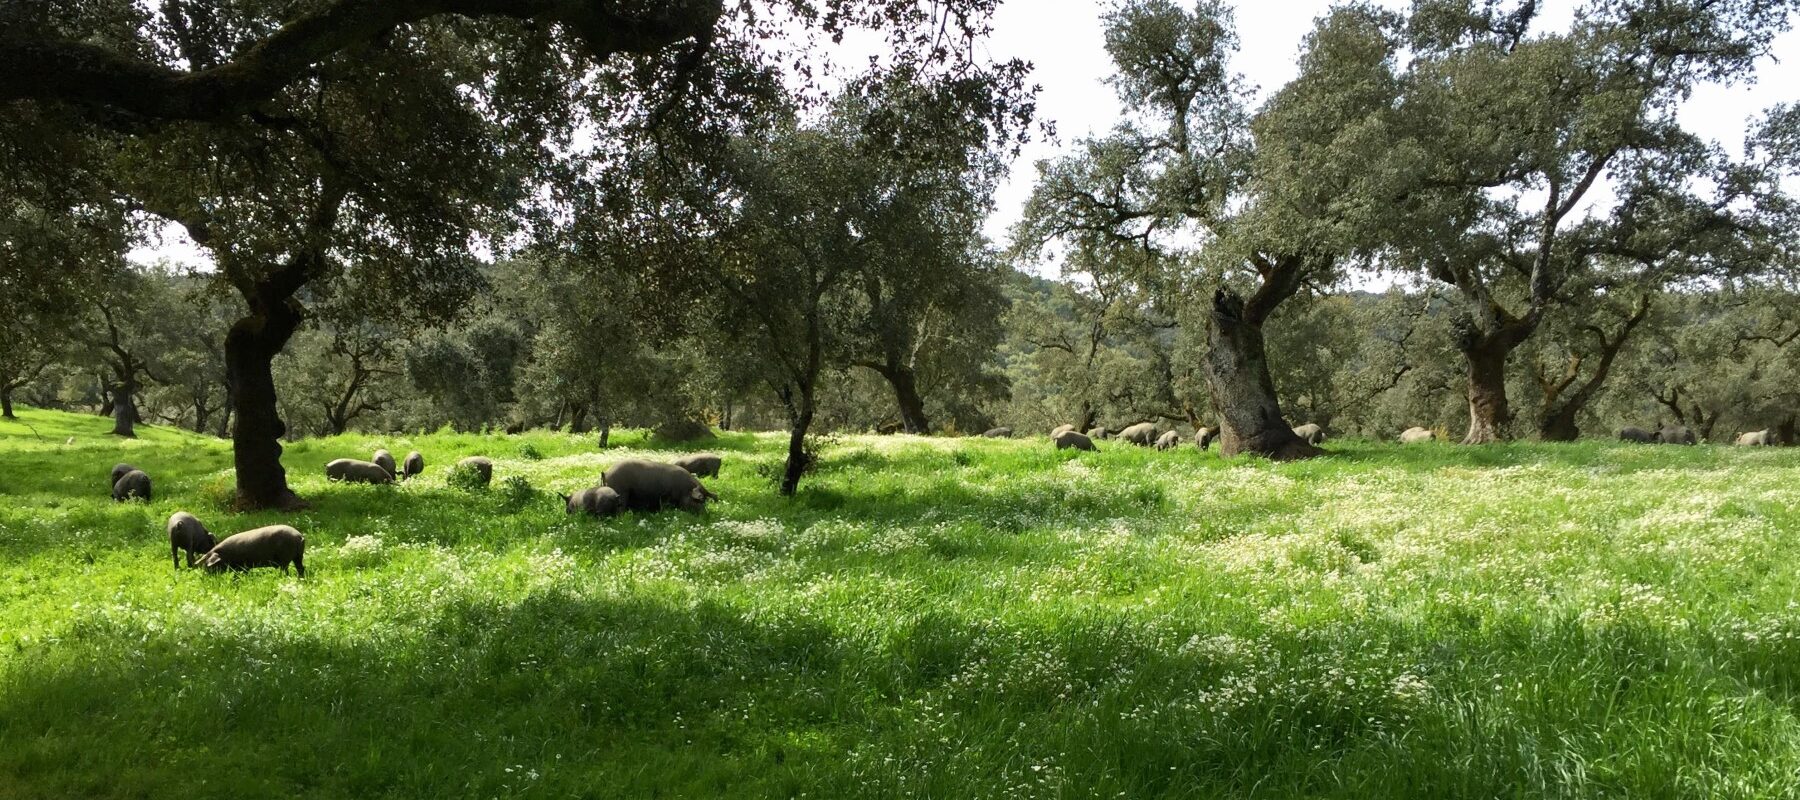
(912, 406)
(1489, 412)
(250, 349)
(1237, 373)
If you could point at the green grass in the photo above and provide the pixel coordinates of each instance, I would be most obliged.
(929, 618)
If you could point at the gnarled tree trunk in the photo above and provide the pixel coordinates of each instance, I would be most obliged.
(1559, 424)
(202, 413)
(124, 414)
(905, 384)
(250, 349)
(1086, 418)
(801, 417)
(1486, 348)
(1556, 421)
(912, 406)
(1237, 374)
(1489, 412)
(224, 430)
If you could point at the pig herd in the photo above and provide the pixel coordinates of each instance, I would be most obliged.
(630, 485)
(1144, 434)
(638, 485)
(270, 546)
(649, 486)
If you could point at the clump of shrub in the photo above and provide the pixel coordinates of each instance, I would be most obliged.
(465, 477)
(516, 493)
(529, 452)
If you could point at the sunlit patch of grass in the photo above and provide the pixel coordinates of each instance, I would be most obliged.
(930, 617)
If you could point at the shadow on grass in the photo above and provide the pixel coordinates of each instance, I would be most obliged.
(555, 687)
(557, 694)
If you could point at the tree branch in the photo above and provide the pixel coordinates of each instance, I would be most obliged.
(40, 65)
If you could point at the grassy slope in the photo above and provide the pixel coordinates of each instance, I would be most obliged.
(943, 618)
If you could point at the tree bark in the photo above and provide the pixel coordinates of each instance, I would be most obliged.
(1087, 417)
(1556, 423)
(202, 412)
(1707, 423)
(1485, 352)
(1237, 373)
(124, 413)
(1489, 412)
(250, 349)
(1559, 424)
(224, 431)
(6, 407)
(797, 460)
(906, 391)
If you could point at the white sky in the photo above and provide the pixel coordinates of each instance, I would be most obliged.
(1062, 38)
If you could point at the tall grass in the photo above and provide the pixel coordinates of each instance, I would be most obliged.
(928, 618)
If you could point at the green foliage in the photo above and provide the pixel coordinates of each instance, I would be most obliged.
(516, 493)
(529, 451)
(466, 478)
(1094, 354)
(947, 618)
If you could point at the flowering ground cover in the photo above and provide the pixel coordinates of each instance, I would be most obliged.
(928, 618)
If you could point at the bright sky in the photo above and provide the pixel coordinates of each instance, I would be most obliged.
(1062, 38)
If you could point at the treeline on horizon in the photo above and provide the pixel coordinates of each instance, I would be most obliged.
(1362, 364)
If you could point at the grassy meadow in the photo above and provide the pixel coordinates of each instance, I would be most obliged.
(948, 618)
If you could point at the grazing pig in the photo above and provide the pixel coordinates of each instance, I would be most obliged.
(386, 460)
(186, 534)
(998, 433)
(598, 501)
(1061, 429)
(1204, 437)
(1142, 434)
(1632, 433)
(1169, 441)
(118, 472)
(649, 486)
(1416, 435)
(705, 465)
(272, 546)
(132, 484)
(1068, 439)
(353, 471)
(1754, 439)
(1099, 433)
(482, 465)
(413, 465)
(1311, 433)
(1677, 434)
